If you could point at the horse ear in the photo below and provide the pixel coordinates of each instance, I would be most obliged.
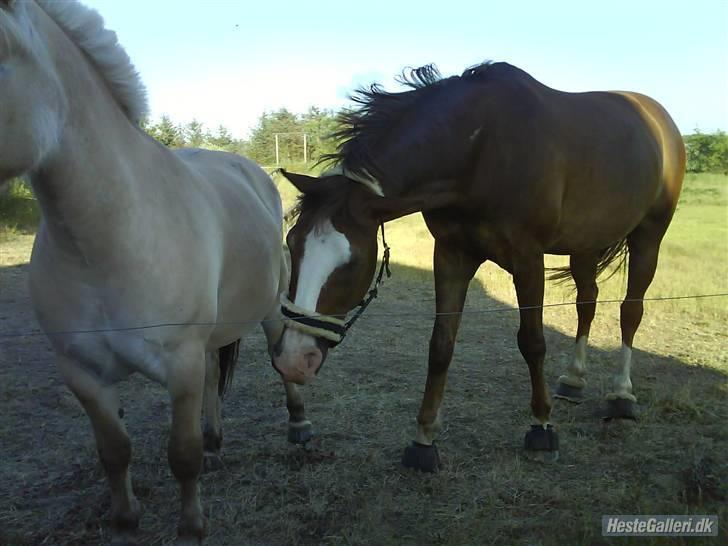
(302, 182)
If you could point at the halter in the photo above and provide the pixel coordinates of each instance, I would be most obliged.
(330, 328)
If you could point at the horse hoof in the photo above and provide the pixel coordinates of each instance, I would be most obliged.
(192, 533)
(621, 408)
(300, 433)
(569, 393)
(421, 457)
(212, 462)
(188, 541)
(542, 444)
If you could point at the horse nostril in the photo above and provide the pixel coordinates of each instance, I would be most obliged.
(312, 359)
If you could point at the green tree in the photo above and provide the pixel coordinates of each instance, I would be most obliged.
(262, 141)
(222, 139)
(195, 134)
(319, 124)
(707, 152)
(167, 133)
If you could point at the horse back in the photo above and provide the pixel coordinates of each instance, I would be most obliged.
(575, 170)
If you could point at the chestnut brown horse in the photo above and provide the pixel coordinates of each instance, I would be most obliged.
(505, 169)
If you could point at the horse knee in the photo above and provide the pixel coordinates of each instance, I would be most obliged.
(532, 347)
(115, 453)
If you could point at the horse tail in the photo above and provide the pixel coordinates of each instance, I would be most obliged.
(614, 254)
(228, 356)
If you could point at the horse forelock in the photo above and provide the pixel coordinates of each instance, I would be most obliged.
(85, 28)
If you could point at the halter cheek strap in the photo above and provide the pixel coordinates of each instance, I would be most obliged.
(330, 328)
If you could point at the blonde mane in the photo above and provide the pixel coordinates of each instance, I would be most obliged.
(85, 27)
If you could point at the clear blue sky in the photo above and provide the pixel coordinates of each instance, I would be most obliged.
(227, 61)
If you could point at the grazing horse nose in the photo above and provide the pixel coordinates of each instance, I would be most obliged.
(312, 359)
(298, 364)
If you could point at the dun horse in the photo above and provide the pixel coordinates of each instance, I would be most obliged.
(503, 168)
(133, 234)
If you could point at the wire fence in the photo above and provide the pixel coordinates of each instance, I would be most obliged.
(504, 309)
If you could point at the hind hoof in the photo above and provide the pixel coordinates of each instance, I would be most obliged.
(542, 444)
(421, 457)
(621, 408)
(212, 462)
(569, 393)
(300, 433)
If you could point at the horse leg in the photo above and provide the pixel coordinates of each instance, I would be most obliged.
(584, 272)
(101, 403)
(644, 246)
(453, 273)
(300, 429)
(212, 432)
(184, 451)
(541, 441)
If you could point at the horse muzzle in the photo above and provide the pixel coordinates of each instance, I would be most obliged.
(299, 360)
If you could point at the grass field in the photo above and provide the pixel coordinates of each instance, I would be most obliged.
(346, 486)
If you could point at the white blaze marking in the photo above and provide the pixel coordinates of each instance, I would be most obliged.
(325, 249)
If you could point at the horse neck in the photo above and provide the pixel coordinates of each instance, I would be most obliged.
(87, 183)
(408, 171)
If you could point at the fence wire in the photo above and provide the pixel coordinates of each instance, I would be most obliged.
(34, 333)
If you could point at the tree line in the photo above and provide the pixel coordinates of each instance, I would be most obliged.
(291, 131)
(706, 152)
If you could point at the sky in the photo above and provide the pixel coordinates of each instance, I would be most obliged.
(228, 61)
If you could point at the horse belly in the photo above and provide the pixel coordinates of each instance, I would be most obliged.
(247, 293)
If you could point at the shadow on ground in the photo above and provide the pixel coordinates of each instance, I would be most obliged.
(347, 485)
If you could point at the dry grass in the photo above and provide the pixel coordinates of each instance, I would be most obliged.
(346, 486)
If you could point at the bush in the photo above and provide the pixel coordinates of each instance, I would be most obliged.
(707, 153)
(18, 208)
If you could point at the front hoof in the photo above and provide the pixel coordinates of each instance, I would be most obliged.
(621, 408)
(569, 393)
(191, 535)
(188, 541)
(123, 542)
(211, 462)
(421, 457)
(542, 444)
(300, 433)
(124, 525)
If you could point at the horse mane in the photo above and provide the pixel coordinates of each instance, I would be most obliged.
(321, 205)
(85, 28)
(379, 111)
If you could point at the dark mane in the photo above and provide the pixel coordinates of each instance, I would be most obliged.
(322, 204)
(379, 111)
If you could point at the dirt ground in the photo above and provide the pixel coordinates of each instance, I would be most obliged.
(347, 486)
